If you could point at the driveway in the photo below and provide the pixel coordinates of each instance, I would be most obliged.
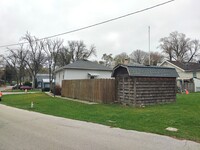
(5, 88)
(21, 129)
(10, 87)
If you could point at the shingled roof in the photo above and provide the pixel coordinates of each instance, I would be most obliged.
(147, 71)
(85, 65)
(187, 66)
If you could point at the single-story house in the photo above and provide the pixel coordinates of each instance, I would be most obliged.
(187, 71)
(145, 85)
(39, 78)
(82, 69)
(45, 84)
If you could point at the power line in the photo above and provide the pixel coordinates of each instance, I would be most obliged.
(93, 25)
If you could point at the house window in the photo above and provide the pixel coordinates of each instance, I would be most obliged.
(46, 85)
(194, 74)
(92, 75)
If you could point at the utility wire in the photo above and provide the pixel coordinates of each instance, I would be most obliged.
(96, 24)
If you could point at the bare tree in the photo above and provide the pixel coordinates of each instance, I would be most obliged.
(64, 57)
(107, 59)
(52, 49)
(20, 55)
(138, 56)
(11, 62)
(180, 48)
(121, 58)
(194, 50)
(166, 47)
(155, 58)
(36, 57)
(75, 50)
(78, 50)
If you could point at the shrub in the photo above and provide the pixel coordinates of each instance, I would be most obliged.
(27, 83)
(57, 90)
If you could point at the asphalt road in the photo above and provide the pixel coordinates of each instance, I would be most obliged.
(4, 88)
(25, 130)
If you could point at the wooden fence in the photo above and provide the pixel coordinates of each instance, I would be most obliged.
(94, 90)
(189, 86)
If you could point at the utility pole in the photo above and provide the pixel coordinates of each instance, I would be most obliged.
(149, 46)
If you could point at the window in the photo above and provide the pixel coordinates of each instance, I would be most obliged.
(46, 85)
(194, 74)
(92, 77)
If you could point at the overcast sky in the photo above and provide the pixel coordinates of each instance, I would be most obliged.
(48, 17)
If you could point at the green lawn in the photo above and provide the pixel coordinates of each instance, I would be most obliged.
(184, 114)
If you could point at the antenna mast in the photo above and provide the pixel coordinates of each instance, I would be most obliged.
(149, 46)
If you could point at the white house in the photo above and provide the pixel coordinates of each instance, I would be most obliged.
(82, 69)
(39, 78)
(189, 74)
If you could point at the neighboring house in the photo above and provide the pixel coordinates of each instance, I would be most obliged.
(145, 85)
(82, 69)
(45, 84)
(39, 78)
(189, 74)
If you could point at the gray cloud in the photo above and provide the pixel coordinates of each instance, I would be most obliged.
(48, 17)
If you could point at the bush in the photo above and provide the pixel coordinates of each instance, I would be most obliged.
(57, 90)
(46, 89)
(27, 83)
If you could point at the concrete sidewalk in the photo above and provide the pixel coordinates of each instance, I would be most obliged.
(8, 93)
(21, 129)
(10, 87)
(75, 100)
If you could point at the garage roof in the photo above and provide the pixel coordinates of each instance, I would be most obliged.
(85, 65)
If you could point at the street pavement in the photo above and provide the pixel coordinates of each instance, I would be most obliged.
(16, 93)
(2, 88)
(26, 130)
(10, 87)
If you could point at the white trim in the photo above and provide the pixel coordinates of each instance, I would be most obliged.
(120, 65)
(172, 65)
(93, 74)
(127, 70)
(46, 80)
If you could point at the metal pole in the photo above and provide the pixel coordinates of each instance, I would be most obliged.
(149, 47)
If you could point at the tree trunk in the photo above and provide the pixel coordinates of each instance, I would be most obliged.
(33, 81)
(50, 82)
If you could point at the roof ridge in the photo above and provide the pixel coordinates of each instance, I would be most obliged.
(85, 64)
(148, 71)
(157, 67)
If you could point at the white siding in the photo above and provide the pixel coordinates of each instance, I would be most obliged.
(198, 74)
(59, 77)
(182, 74)
(72, 74)
(197, 85)
(165, 64)
(185, 75)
